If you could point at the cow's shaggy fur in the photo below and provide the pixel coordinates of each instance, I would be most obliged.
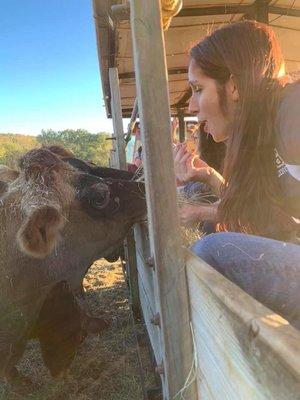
(55, 219)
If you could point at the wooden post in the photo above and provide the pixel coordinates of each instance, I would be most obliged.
(117, 118)
(119, 146)
(262, 10)
(181, 127)
(164, 231)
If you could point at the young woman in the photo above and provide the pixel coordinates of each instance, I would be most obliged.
(239, 93)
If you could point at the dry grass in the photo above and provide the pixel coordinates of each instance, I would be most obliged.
(105, 366)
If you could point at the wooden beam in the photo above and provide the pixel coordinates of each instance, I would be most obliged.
(121, 12)
(182, 102)
(117, 118)
(181, 126)
(171, 71)
(102, 33)
(236, 9)
(214, 10)
(288, 12)
(170, 278)
(262, 11)
(133, 118)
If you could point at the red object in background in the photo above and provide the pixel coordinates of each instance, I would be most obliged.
(131, 167)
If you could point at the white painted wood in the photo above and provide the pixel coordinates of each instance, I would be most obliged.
(245, 351)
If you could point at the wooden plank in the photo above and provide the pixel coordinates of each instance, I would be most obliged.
(141, 235)
(131, 269)
(117, 117)
(146, 287)
(170, 278)
(119, 147)
(153, 331)
(181, 127)
(245, 351)
(112, 158)
(145, 272)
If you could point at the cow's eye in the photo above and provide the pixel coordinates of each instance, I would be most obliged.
(100, 202)
(101, 197)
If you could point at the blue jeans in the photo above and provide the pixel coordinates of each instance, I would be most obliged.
(268, 270)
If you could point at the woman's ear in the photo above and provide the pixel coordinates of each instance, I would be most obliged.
(232, 90)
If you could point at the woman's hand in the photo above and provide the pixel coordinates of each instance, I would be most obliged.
(188, 167)
(192, 214)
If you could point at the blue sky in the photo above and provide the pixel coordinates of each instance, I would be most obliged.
(49, 73)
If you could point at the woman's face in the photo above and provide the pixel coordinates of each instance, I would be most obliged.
(205, 103)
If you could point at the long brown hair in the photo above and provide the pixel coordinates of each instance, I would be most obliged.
(251, 200)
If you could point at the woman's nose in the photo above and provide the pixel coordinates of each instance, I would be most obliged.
(193, 105)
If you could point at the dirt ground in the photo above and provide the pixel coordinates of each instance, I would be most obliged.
(105, 367)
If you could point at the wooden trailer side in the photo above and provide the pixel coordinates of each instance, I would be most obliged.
(244, 350)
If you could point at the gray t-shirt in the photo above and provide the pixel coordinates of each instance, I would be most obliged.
(288, 146)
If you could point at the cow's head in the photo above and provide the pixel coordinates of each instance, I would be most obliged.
(63, 208)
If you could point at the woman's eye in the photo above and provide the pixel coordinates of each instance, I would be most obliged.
(197, 89)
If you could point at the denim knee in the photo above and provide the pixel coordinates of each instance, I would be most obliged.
(203, 248)
(207, 247)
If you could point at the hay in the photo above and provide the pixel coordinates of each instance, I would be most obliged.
(194, 233)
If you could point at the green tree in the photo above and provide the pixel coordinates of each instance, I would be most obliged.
(85, 145)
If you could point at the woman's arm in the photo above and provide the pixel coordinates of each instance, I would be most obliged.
(191, 214)
(213, 179)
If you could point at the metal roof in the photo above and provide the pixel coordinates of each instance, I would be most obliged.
(193, 22)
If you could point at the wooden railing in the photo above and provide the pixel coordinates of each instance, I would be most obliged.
(242, 350)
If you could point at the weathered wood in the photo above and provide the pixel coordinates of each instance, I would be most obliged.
(146, 287)
(133, 118)
(245, 351)
(117, 117)
(145, 274)
(131, 268)
(119, 146)
(121, 12)
(288, 11)
(113, 158)
(215, 10)
(262, 11)
(153, 331)
(181, 127)
(170, 279)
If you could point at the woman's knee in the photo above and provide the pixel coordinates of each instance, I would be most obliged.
(208, 248)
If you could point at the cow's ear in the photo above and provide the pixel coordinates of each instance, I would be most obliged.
(7, 174)
(41, 231)
(3, 187)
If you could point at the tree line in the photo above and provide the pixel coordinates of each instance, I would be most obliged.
(84, 145)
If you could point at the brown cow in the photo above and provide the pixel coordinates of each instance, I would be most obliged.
(55, 221)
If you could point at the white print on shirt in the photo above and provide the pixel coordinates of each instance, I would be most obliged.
(280, 165)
